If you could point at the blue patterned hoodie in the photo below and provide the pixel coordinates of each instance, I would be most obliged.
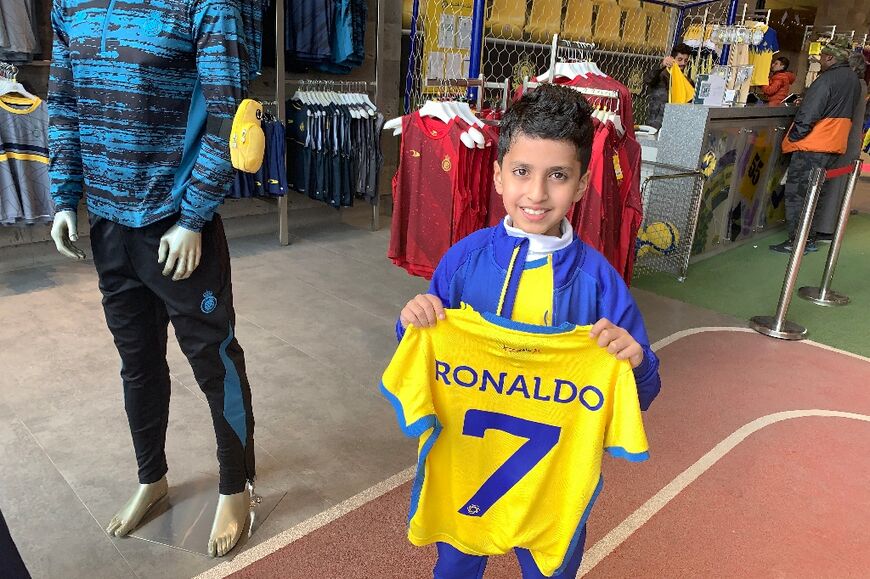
(137, 95)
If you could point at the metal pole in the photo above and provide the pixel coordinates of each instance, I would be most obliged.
(476, 55)
(777, 326)
(732, 17)
(412, 58)
(824, 295)
(280, 96)
(379, 40)
(678, 30)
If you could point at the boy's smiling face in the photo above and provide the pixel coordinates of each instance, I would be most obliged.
(539, 180)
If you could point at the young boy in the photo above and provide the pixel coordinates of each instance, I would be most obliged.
(532, 268)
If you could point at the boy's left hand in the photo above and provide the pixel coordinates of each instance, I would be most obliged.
(617, 341)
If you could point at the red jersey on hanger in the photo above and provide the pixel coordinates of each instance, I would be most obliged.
(628, 176)
(424, 188)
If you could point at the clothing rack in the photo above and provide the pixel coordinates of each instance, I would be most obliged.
(755, 16)
(469, 83)
(561, 49)
(593, 92)
(582, 50)
(8, 71)
(281, 84)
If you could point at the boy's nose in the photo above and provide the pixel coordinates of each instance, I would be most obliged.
(537, 191)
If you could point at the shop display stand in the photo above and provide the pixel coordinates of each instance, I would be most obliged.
(183, 519)
(281, 83)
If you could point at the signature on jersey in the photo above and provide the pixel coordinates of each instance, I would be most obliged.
(507, 348)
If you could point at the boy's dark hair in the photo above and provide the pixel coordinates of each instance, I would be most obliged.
(551, 112)
(784, 61)
(681, 48)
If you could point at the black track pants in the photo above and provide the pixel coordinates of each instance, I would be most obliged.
(797, 185)
(139, 303)
(11, 565)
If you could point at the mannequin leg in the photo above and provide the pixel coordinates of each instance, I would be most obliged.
(138, 322)
(202, 314)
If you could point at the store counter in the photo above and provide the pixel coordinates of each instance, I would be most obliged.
(739, 151)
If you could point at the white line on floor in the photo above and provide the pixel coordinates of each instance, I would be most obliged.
(304, 528)
(283, 539)
(645, 512)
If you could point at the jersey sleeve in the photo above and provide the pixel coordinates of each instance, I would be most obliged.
(65, 169)
(222, 70)
(616, 303)
(625, 436)
(406, 383)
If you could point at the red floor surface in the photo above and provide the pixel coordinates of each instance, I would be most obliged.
(789, 501)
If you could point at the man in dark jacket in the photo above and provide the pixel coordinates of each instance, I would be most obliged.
(835, 189)
(819, 133)
(658, 80)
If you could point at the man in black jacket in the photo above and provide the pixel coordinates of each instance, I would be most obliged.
(819, 134)
(658, 79)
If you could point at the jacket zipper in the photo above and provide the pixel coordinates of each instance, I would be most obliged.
(109, 11)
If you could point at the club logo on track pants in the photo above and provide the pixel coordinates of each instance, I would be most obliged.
(209, 302)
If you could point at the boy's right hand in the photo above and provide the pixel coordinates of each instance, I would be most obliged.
(668, 62)
(422, 311)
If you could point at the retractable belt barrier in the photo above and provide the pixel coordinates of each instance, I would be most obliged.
(778, 326)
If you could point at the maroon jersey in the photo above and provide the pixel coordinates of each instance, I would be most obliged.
(423, 191)
(628, 176)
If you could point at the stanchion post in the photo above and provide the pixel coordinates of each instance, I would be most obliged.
(824, 295)
(777, 326)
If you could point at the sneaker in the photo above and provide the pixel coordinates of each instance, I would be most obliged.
(824, 237)
(788, 245)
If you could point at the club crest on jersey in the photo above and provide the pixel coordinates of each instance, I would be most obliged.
(209, 302)
(415, 153)
(446, 165)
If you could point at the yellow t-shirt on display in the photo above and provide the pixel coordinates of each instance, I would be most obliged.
(513, 420)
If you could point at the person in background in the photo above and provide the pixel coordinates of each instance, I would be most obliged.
(835, 189)
(658, 79)
(780, 82)
(819, 135)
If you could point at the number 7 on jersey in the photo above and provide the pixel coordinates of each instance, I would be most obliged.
(541, 439)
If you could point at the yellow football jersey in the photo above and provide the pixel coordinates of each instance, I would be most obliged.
(513, 420)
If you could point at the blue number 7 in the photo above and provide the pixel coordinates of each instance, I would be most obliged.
(541, 439)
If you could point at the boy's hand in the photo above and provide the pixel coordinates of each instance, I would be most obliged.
(617, 341)
(422, 311)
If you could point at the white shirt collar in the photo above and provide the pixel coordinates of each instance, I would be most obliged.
(542, 245)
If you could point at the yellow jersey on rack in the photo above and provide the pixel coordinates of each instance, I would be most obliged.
(513, 420)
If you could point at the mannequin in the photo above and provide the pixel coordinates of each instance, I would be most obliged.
(141, 96)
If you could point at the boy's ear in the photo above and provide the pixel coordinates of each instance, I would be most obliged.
(496, 174)
(581, 187)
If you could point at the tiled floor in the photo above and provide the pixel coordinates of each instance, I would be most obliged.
(316, 322)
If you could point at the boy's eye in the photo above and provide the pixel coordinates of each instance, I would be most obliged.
(558, 175)
(521, 172)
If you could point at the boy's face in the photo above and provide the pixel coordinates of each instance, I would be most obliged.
(776, 66)
(539, 180)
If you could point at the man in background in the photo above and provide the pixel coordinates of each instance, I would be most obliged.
(658, 79)
(835, 189)
(819, 134)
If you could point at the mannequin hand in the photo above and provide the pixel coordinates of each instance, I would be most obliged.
(64, 231)
(181, 249)
(668, 62)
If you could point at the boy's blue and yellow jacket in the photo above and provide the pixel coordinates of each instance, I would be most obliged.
(484, 269)
(140, 95)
